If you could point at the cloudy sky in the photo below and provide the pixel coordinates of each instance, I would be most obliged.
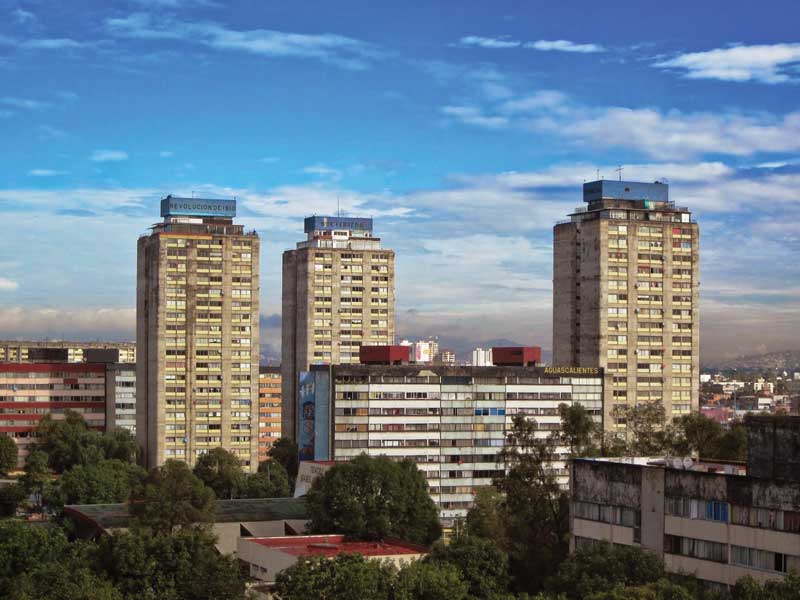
(464, 128)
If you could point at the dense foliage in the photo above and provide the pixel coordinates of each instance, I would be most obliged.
(372, 498)
(286, 452)
(8, 455)
(222, 472)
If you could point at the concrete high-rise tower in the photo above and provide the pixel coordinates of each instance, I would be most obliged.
(625, 294)
(338, 293)
(197, 334)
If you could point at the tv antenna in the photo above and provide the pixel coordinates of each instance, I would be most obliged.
(619, 170)
(338, 207)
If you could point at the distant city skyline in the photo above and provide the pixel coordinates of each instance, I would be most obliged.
(465, 131)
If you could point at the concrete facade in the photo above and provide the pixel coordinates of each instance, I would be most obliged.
(626, 295)
(338, 293)
(64, 351)
(197, 339)
(710, 520)
(269, 409)
(452, 421)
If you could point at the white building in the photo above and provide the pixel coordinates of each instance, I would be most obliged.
(482, 358)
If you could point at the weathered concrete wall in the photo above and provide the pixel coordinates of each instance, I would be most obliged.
(773, 447)
(652, 510)
(607, 483)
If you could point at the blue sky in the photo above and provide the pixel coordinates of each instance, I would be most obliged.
(464, 128)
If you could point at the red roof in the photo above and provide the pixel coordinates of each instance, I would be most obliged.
(333, 545)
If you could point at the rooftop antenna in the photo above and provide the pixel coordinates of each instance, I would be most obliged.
(338, 207)
(192, 193)
(598, 175)
(619, 170)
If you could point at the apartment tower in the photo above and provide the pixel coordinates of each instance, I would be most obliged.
(338, 293)
(625, 295)
(197, 334)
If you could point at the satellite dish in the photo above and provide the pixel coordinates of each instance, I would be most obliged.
(688, 463)
(677, 463)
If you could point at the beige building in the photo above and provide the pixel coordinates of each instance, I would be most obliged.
(197, 334)
(715, 521)
(64, 351)
(338, 293)
(625, 295)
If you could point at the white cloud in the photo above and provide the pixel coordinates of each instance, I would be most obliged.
(564, 46)
(166, 154)
(51, 44)
(268, 160)
(765, 63)
(76, 324)
(25, 103)
(332, 48)
(321, 170)
(484, 42)
(23, 16)
(46, 173)
(670, 135)
(108, 156)
(472, 115)
(8, 285)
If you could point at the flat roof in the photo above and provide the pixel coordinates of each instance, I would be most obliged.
(333, 545)
(722, 467)
(114, 516)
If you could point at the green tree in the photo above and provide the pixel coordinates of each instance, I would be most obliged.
(8, 454)
(486, 517)
(222, 472)
(104, 482)
(663, 589)
(578, 430)
(344, 577)
(171, 496)
(62, 581)
(536, 510)
(119, 444)
(37, 476)
(644, 427)
(23, 547)
(285, 451)
(177, 566)
(424, 580)
(748, 588)
(480, 563)
(271, 481)
(602, 567)
(11, 496)
(371, 498)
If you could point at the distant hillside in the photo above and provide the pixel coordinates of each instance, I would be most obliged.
(788, 360)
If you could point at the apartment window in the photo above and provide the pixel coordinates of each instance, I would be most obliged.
(763, 559)
(691, 508)
(694, 548)
(606, 513)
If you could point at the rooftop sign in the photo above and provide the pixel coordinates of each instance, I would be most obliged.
(316, 223)
(172, 206)
(625, 190)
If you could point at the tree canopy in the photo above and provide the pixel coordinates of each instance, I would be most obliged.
(222, 472)
(344, 577)
(370, 498)
(171, 496)
(8, 454)
(285, 452)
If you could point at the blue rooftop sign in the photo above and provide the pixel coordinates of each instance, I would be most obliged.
(625, 190)
(172, 206)
(316, 223)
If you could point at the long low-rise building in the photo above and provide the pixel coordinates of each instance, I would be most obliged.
(716, 521)
(452, 421)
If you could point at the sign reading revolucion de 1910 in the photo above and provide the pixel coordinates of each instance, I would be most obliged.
(172, 206)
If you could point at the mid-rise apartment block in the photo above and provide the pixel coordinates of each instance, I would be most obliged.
(29, 391)
(63, 351)
(625, 294)
(269, 409)
(338, 293)
(451, 420)
(716, 521)
(197, 334)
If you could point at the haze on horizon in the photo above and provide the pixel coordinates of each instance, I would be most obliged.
(466, 131)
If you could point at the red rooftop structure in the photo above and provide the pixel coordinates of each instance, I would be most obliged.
(269, 556)
(383, 355)
(517, 356)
